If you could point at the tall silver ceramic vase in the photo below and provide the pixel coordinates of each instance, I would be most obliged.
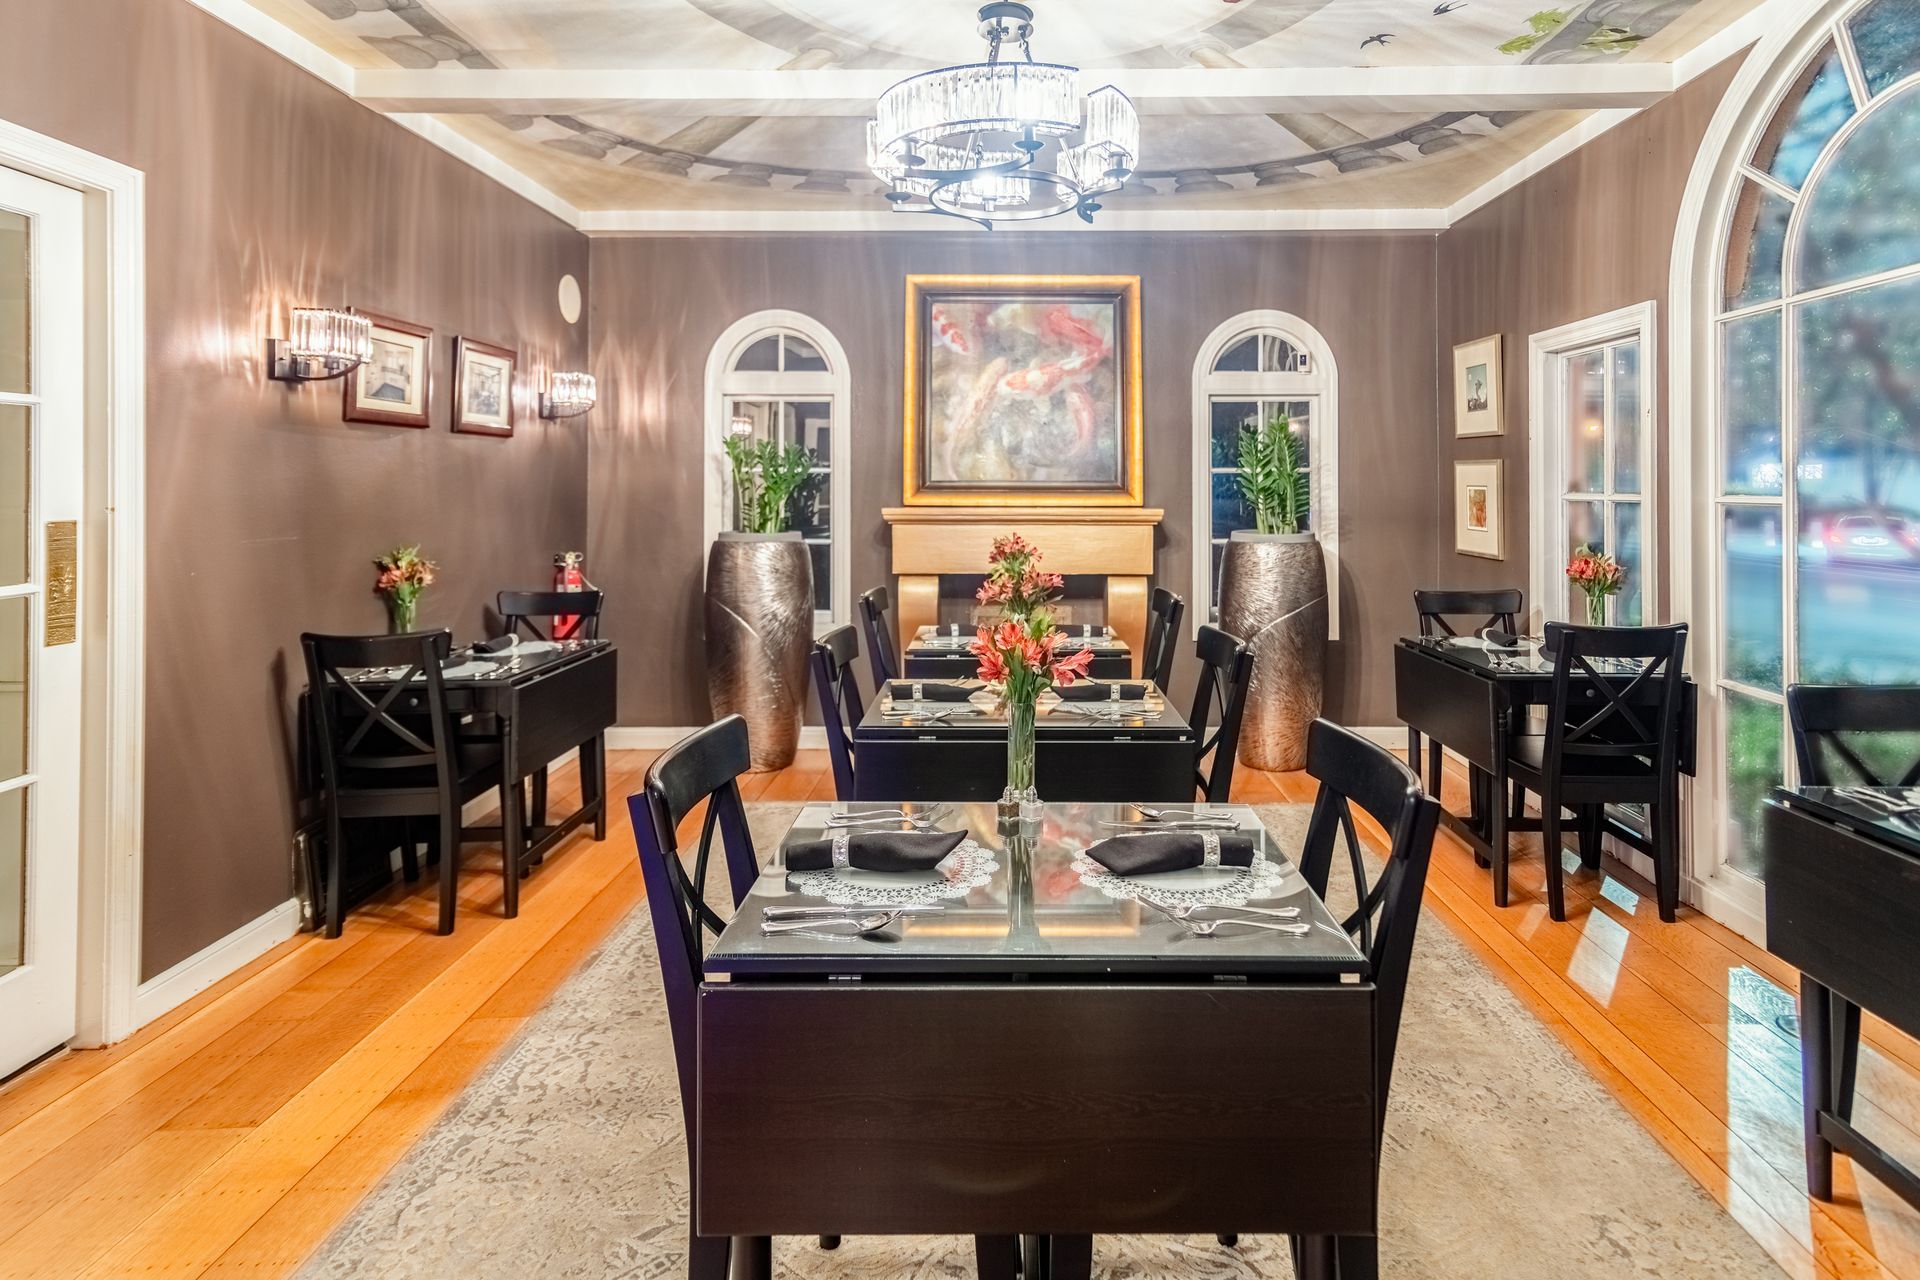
(759, 628)
(1273, 595)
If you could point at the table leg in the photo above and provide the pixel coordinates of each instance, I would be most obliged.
(1358, 1257)
(707, 1257)
(511, 835)
(996, 1257)
(1497, 838)
(1070, 1258)
(598, 777)
(1413, 750)
(1816, 1082)
(753, 1258)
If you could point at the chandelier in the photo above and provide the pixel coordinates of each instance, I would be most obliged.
(995, 141)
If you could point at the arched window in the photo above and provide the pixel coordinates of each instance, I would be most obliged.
(1810, 353)
(784, 376)
(1257, 367)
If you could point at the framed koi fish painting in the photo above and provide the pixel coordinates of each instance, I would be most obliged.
(1023, 390)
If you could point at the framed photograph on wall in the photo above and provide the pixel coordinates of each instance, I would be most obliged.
(1023, 389)
(482, 388)
(395, 385)
(1479, 517)
(1477, 394)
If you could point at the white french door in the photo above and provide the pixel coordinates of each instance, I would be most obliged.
(41, 490)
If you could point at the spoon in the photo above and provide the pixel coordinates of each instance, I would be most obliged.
(861, 924)
(1185, 910)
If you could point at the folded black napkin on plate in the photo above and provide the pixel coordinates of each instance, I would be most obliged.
(1500, 639)
(494, 645)
(930, 691)
(878, 851)
(1100, 690)
(1169, 851)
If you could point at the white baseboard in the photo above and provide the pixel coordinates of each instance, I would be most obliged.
(487, 801)
(165, 992)
(646, 737)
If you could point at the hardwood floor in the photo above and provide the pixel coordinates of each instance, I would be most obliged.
(230, 1137)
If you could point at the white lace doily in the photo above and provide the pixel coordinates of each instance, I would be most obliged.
(1195, 887)
(967, 868)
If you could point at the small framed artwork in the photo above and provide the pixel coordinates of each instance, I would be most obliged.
(1477, 408)
(1478, 518)
(482, 388)
(395, 385)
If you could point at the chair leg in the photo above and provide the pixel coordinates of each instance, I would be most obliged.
(707, 1257)
(449, 867)
(1435, 776)
(540, 796)
(335, 839)
(1846, 1054)
(1816, 1085)
(1358, 1257)
(996, 1257)
(409, 854)
(829, 1242)
(1413, 750)
(754, 1257)
(599, 785)
(1665, 817)
(1499, 853)
(511, 829)
(1070, 1258)
(1228, 1239)
(1550, 847)
(1592, 822)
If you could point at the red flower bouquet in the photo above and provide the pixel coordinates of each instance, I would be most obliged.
(1019, 658)
(1597, 576)
(1014, 578)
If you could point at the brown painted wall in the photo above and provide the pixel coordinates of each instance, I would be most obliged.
(660, 303)
(1588, 235)
(267, 188)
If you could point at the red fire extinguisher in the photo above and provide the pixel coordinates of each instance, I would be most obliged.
(567, 576)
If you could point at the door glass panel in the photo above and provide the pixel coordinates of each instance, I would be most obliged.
(1242, 357)
(16, 330)
(1626, 417)
(1586, 420)
(1860, 214)
(13, 878)
(1586, 526)
(1751, 360)
(1230, 509)
(1297, 421)
(762, 357)
(810, 425)
(1753, 595)
(811, 510)
(15, 615)
(1886, 35)
(1756, 238)
(1813, 111)
(1229, 416)
(16, 442)
(1858, 481)
(1629, 606)
(1754, 755)
(802, 356)
(821, 554)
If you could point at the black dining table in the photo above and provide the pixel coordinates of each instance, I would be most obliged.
(1093, 751)
(540, 699)
(1842, 877)
(1458, 692)
(934, 654)
(1045, 1057)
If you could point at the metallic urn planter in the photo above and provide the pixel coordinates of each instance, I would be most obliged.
(759, 629)
(1273, 595)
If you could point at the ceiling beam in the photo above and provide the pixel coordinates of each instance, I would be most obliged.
(1154, 90)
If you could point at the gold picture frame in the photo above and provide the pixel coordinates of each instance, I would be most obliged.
(1083, 395)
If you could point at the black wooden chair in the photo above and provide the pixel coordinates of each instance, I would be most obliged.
(530, 614)
(1353, 772)
(840, 708)
(389, 750)
(881, 656)
(1478, 611)
(1612, 737)
(1226, 670)
(1163, 636)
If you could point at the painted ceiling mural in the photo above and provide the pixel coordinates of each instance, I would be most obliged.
(603, 155)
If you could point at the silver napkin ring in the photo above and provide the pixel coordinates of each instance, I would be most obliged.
(841, 857)
(919, 691)
(1209, 843)
(1113, 692)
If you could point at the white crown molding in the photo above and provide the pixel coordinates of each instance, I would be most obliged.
(840, 91)
(651, 222)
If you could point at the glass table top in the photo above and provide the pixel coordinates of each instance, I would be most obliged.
(1868, 810)
(473, 664)
(1154, 712)
(1020, 905)
(1525, 658)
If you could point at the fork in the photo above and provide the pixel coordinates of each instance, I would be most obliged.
(917, 822)
(1207, 928)
(1184, 910)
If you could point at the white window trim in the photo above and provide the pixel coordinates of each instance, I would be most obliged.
(1322, 385)
(836, 385)
(1547, 450)
(1794, 32)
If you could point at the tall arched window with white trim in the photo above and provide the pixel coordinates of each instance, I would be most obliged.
(782, 376)
(1254, 368)
(1813, 390)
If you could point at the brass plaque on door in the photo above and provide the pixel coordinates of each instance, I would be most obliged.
(63, 581)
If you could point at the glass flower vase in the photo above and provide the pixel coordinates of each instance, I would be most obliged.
(1020, 801)
(1596, 609)
(402, 615)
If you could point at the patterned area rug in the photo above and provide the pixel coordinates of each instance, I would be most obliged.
(1504, 1157)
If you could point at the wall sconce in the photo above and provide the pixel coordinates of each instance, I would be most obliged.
(569, 395)
(320, 344)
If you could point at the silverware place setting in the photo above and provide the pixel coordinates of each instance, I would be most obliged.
(848, 910)
(835, 926)
(1157, 824)
(1208, 928)
(1894, 804)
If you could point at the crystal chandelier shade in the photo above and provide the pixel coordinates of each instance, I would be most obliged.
(1001, 141)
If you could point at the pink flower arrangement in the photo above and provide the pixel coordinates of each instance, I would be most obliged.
(1019, 656)
(404, 574)
(1015, 580)
(1596, 575)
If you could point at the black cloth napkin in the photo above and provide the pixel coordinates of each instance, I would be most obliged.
(1154, 851)
(1099, 690)
(494, 645)
(930, 691)
(1501, 639)
(878, 851)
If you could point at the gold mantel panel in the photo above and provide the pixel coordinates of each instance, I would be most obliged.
(1111, 542)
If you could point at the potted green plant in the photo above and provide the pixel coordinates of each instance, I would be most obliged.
(1273, 595)
(759, 601)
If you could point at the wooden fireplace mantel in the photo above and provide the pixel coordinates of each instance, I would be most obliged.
(1112, 542)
